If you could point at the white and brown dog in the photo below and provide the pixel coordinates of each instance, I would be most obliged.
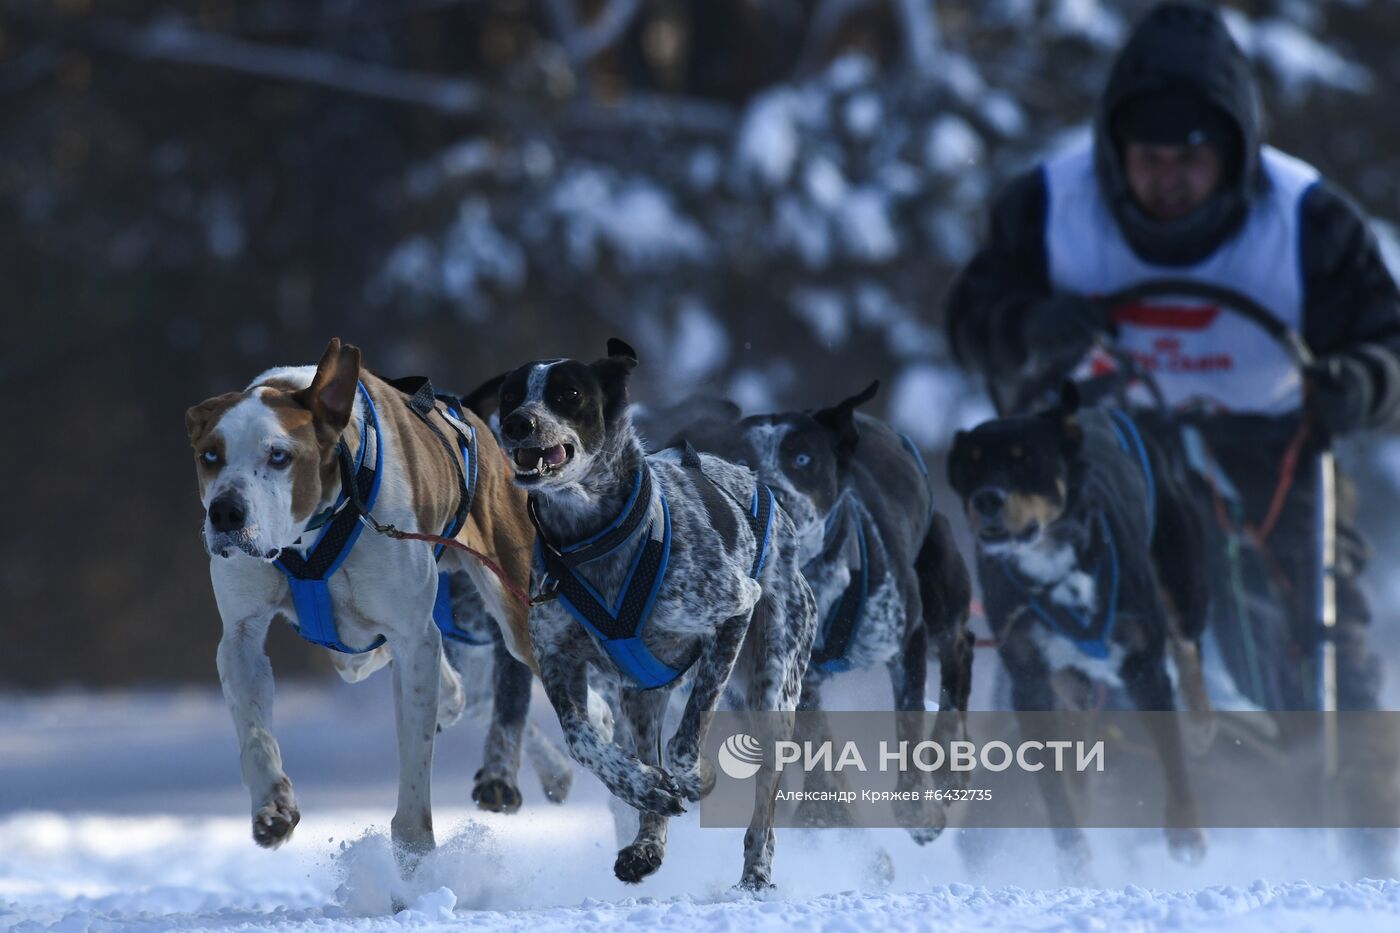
(286, 468)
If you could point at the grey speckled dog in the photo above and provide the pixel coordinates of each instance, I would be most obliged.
(887, 576)
(666, 567)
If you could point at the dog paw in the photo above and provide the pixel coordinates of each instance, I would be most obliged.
(637, 861)
(697, 781)
(878, 872)
(556, 786)
(821, 814)
(651, 790)
(923, 835)
(274, 822)
(655, 791)
(1187, 844)
(923, 820)
(755, 882)
(497, 795)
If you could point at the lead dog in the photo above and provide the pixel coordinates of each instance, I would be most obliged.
(665, 566)
(1089, 552)
(285, 468)
(882, 564)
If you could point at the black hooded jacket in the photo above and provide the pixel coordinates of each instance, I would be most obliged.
(1351, 304)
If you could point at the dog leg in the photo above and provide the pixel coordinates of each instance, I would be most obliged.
(644, 787)
(1179, 565)
(945, 597)
(246, 676)
(695, 775)
(452, 696)
(819, 813)
(924, 819)
(550, 763)
(945, 594)
(645, 711)
(1198, 731)
(416, 667)
(1031, 692)
(354, 668)
(497, 783)
(1144, 675)
(784, 626)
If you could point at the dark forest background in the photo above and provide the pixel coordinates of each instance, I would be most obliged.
(767, 197)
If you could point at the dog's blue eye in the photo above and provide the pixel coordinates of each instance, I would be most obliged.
(210, 457)
(802, 460)
(279, 458)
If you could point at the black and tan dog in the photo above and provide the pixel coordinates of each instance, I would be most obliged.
(888, 579)
(1090, 558)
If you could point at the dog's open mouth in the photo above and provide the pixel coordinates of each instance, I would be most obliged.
(541, 461)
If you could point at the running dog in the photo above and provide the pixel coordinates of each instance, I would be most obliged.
(882, 564)
(1089, 554)
(291, 470)
(670, 566)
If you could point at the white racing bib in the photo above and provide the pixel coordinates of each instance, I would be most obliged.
(1197, 349)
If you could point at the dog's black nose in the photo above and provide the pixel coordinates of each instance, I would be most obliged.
(227, 514)
(519, 426)
(988, 501)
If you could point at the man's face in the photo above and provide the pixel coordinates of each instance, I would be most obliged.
(1169, 182)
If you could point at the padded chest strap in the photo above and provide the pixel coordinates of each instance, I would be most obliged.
(617, 626)
(307, 576)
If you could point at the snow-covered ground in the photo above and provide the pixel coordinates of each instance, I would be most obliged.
(125, 812)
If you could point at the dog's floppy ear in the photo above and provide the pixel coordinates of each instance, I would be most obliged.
(612, 372)
(198, 417)
(621, 348)
(840, 420)
(485, 398)
(331, 395)
(1069, 425)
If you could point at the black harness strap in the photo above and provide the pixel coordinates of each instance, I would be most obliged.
(307, 576)
(423, 401)
(634, 513)
(840, 625)
(758, 512)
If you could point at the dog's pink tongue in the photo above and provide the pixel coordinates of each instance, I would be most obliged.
(555, 455)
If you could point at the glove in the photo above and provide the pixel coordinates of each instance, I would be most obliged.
(1337, 394)
(1062, 323)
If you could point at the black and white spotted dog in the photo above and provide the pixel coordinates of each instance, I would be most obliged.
(670, 566)
(882, 564)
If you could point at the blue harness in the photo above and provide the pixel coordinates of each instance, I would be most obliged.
(618, 626)
(1091, 635)
(839, 626)
(340, 526)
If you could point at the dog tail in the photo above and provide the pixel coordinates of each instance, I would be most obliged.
(945, 589)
